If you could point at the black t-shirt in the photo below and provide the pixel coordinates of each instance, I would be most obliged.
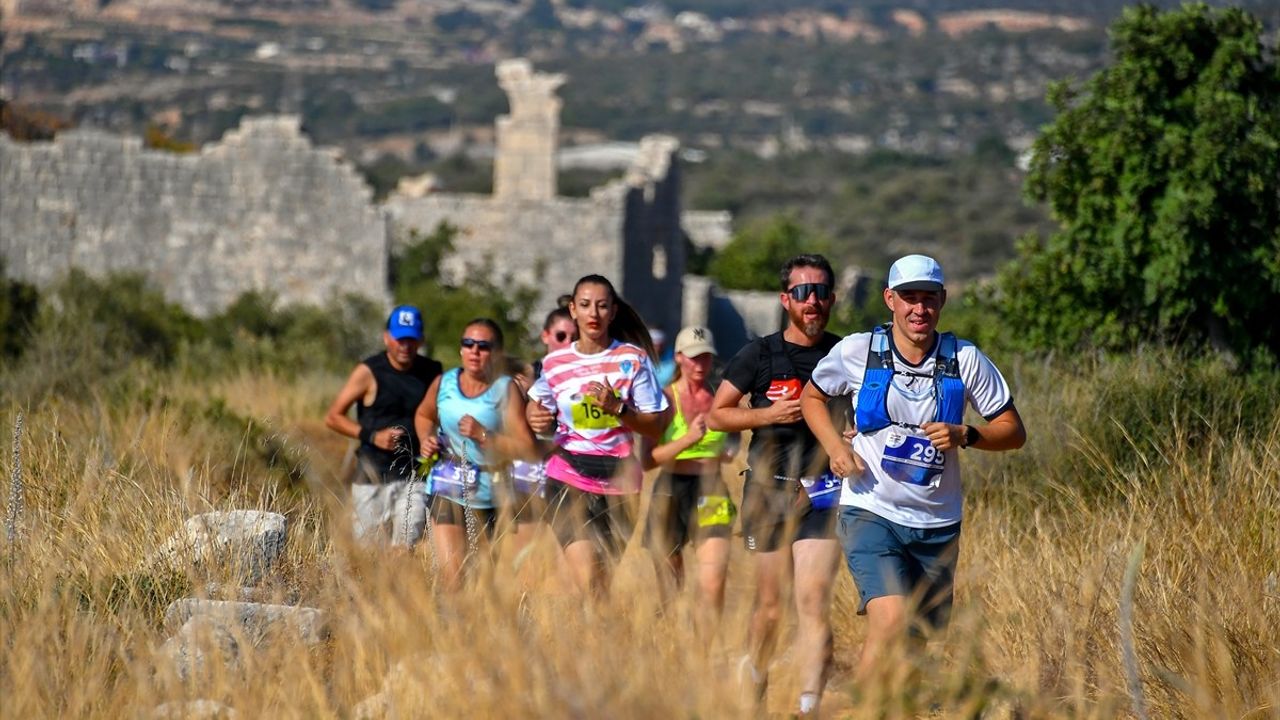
(790, 449)
(396, 400)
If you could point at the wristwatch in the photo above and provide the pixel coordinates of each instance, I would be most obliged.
(971, 436)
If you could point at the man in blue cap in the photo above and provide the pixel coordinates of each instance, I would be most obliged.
(388, 387)
(901, 497)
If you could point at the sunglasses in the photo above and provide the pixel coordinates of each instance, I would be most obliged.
(801, 292)
(481, 345)
(561, 336)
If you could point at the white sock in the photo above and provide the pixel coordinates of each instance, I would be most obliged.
(808, 702)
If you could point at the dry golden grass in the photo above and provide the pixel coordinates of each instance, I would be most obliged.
(1048, 535)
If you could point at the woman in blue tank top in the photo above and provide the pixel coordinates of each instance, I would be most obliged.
(472, 421)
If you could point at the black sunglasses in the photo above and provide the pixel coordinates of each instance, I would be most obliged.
(561, 336)
(801, 292)
(481, 345)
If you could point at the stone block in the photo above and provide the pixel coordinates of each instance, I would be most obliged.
(256, 621)
(246, 542)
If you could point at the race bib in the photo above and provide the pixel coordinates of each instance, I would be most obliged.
(528, 478)
(452, 479)
(715, 510)
(785, 389)
(911, 459)
(588, 415)
(823, 491)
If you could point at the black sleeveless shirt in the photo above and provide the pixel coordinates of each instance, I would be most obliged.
(396, 401)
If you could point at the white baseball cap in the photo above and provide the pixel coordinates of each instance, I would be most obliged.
(694, 341)
(915, 272)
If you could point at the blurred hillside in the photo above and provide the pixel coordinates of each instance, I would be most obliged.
(928, 103)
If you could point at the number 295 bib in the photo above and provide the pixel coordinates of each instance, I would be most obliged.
(911, 459)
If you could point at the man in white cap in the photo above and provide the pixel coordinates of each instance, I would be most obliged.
(901, 501)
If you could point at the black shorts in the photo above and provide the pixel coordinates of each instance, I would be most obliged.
(511, 503)
(444, 511)
(687, 508)
(777, 512)
(604, 520)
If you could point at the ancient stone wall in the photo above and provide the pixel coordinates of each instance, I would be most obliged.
(652, 240)
(547, 245)
(524, 166)
(260, 210)
(733, 316)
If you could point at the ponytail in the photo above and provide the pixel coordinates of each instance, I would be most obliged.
(627, 326)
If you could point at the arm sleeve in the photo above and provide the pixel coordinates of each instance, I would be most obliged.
(646, 394)
(985, 387)
(743, 367)
(831, 375)
(541, 393)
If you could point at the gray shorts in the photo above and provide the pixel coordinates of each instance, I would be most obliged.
(886, 558)
(385, 512)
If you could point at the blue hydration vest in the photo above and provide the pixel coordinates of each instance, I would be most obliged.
(872, 412)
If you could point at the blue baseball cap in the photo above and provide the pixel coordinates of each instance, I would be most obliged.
(405, 321)
(915, 272)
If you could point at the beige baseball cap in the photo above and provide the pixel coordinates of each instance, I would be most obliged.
(694, 341)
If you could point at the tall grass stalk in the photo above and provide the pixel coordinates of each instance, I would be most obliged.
(1040, 589)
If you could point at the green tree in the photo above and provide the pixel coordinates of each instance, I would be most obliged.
(448, 303)
(751, 260)
(1164, 174)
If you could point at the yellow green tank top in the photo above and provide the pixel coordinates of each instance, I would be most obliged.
(708, 446)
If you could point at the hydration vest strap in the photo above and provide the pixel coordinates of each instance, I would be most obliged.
(948, 388)
(779, 361)
(879, 354)
(872, 411)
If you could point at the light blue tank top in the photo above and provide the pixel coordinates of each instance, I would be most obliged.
(487, 409)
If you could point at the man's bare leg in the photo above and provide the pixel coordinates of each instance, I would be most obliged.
(816, 561)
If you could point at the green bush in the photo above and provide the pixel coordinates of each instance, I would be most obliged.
(448, 306)
(751, 260)
(19, 303)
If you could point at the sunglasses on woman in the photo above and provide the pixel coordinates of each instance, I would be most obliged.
(561, 336)
(801, 292)
(481, 345)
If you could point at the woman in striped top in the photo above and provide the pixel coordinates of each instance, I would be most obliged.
(596, 393)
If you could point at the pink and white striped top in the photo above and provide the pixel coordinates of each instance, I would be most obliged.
(581, 427)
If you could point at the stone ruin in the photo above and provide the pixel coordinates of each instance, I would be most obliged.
(264, 210)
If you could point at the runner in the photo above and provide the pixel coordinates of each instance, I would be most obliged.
(523, 486)
(596, 392)
(558, 331)
(901, 504)
(788, 506)
(388, 387)
(690, 500)
(472, 418)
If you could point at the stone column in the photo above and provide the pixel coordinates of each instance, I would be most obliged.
(524, 167)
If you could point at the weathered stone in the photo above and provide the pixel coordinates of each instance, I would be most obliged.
(194, 710)
(260, 594)
(255, 620)
(246, 543)
(260, 210)
(203, 648)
